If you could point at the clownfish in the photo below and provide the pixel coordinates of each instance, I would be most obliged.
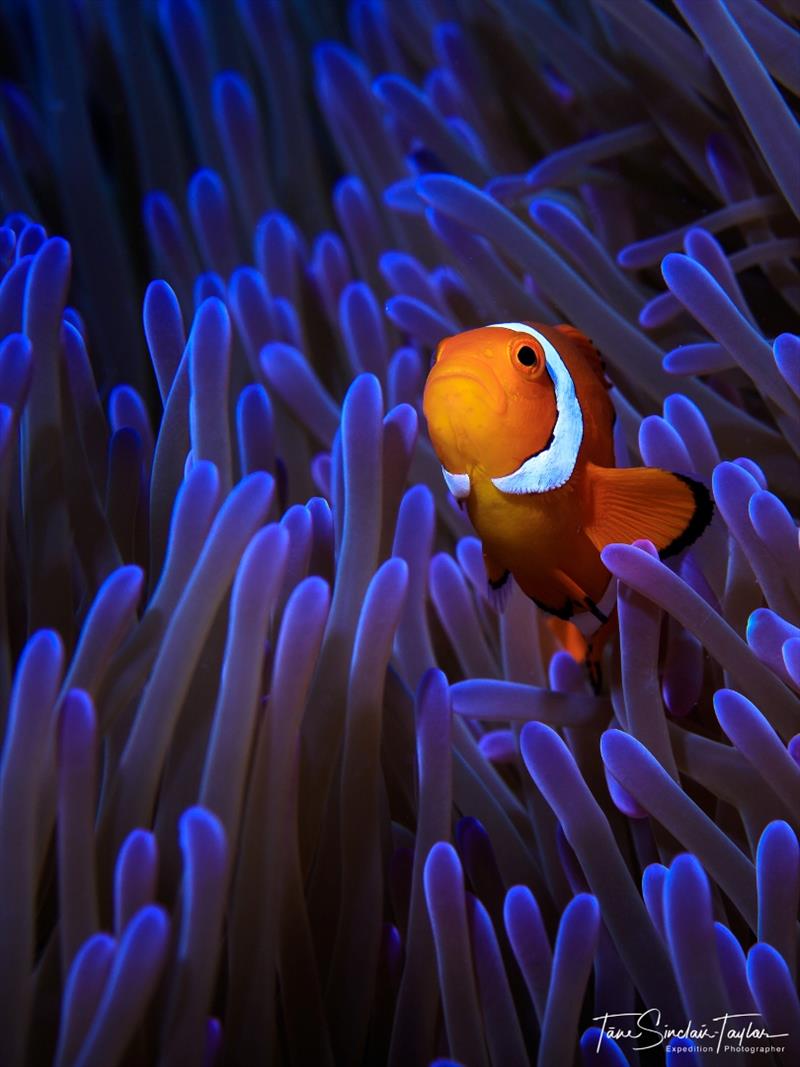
(520, 417)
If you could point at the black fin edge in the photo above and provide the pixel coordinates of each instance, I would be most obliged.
(703, 514)
(564, 613)
(595, 672)
(593, 609)
(498, 583)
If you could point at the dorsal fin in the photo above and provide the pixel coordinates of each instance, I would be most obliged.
(588, 350)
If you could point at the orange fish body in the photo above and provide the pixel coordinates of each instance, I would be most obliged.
(521, 420)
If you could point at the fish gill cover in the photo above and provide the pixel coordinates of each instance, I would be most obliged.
(277, 784)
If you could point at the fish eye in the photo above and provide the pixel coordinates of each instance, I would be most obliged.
(527, 358)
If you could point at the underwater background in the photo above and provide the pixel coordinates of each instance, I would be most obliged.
(278, 786)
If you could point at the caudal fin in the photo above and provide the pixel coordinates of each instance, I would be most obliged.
(587, 651)
(627, 504)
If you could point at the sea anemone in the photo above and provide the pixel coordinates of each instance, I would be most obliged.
(277, 783)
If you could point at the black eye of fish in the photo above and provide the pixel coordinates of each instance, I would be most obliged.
(526, 356)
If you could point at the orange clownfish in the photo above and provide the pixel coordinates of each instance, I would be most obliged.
(520, 418)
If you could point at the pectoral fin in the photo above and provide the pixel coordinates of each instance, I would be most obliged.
(627, 504)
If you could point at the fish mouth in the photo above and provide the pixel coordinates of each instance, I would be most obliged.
(474, 371)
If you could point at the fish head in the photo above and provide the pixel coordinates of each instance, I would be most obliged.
(489, 401)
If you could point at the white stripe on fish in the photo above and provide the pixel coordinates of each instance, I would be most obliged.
(553, 466)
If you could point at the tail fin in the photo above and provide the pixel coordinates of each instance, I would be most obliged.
(585, 650)
(594, 651)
